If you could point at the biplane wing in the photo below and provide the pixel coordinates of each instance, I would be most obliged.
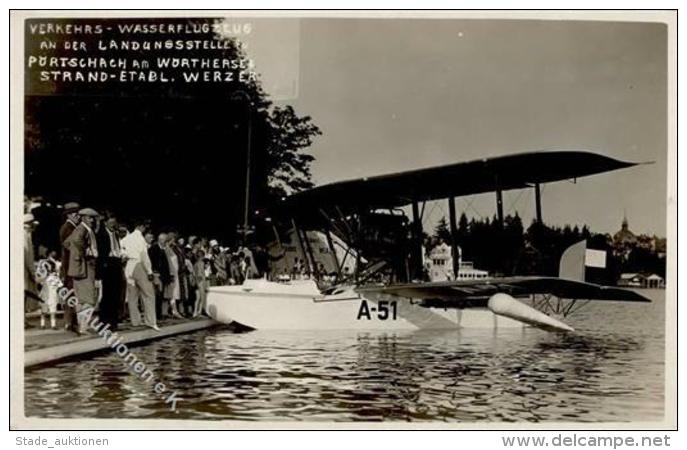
(516, 171)
(519, 286)
(499, 295)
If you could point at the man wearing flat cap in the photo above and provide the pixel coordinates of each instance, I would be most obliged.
(83, 251)
(71, 213)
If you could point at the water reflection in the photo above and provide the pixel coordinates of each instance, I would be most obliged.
(608, 371)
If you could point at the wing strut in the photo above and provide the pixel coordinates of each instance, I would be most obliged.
(330, 244)
(416, 254)
(537, 201)
(301, 244)
(499, 202)
(454, 234)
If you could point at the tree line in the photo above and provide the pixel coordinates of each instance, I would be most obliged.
(511, 249)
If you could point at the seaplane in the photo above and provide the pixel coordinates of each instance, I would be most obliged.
(364, 221)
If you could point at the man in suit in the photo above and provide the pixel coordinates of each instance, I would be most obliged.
(160, 263)
(83, 252)
(110, 270)
(71, 213)
(30, 289)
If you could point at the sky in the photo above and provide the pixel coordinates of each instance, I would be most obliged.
(400, 94)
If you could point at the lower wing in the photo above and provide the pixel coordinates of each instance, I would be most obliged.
(499, 295)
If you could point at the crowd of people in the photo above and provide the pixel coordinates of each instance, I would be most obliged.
(127, 271)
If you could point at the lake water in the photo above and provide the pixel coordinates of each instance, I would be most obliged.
(610, 369)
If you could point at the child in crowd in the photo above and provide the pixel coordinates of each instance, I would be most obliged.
(48, 291)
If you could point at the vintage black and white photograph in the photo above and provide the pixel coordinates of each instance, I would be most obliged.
(365, 219)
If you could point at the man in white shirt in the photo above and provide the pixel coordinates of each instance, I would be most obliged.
(139, 278)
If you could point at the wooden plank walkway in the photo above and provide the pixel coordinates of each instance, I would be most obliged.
(45, 346)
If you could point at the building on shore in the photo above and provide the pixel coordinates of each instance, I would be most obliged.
(439, 265)
(624, 241)
(642, 280)
(624, 236)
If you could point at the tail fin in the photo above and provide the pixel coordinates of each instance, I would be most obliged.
(577, 258)
(572, 265)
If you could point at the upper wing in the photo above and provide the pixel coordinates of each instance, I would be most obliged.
(466, 290)
(508, 172)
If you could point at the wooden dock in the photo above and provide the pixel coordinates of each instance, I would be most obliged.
(46, 346)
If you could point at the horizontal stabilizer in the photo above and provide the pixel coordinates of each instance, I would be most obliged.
(505, 305)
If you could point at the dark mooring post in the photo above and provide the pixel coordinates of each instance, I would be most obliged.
(537, 200)
(249, 125)
(454, 235)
